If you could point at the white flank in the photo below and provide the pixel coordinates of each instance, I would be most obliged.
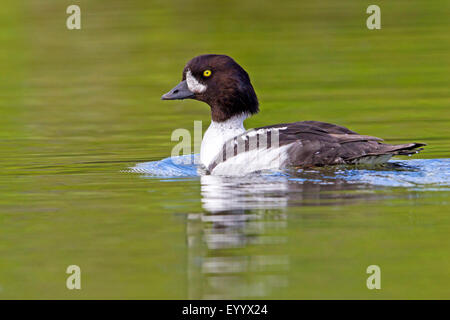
(193, 84)
(261, 158)
(373, 160)
(255, 160)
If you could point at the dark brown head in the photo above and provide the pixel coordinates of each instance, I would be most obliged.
(220, 82)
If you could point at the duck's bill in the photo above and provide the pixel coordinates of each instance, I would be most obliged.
(181, 91)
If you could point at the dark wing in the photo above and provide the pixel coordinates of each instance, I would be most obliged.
(312, 143)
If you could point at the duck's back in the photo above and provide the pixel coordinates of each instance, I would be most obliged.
(302, 144)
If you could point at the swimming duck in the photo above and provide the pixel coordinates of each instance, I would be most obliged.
(228, 149)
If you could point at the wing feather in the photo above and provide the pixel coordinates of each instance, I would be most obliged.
(312, 143)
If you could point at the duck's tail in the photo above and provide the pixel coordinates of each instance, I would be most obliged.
(386, 152)
(406, 149)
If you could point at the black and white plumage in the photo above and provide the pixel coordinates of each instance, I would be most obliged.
(307, 144)
(228, 149)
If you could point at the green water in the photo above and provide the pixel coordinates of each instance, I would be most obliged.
(79, 107)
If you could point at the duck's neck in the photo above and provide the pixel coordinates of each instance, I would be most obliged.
(217, 134)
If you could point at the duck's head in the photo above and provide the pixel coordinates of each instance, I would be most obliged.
(220, 82)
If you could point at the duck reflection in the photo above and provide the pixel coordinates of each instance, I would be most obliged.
(232, 245)
(236, 246)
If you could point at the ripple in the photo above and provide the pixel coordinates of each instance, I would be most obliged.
(430, 173)
(403, 173)
(181, 166)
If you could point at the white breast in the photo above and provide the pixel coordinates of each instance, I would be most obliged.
(217, 134)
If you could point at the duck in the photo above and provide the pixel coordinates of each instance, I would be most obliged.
(227, 148)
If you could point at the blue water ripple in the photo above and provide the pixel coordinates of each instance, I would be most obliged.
(398, 173)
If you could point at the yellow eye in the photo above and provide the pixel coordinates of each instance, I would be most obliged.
(207, 73)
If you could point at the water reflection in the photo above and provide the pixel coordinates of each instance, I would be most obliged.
(248, 214)
(237, 246)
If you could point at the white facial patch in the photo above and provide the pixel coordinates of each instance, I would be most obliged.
(193, 83)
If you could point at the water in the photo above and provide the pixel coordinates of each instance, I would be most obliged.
(420, 173)
(240, 215)
(78, 109)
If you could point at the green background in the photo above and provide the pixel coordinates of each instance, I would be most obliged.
(77, 107)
